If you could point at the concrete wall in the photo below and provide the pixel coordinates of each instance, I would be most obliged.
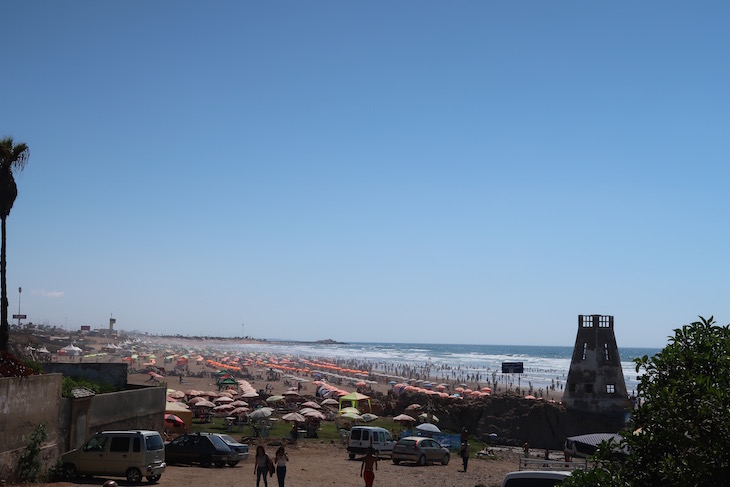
(29, 401)
(24, 404)
(114, 374)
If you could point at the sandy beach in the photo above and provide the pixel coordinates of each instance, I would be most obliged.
(313, 462)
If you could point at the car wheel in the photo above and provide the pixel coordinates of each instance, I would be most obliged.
(422, 460)
(232, 464)
(134, 476)
(352, 456)
(396, 461)
(153, 478)
(445, 460)
(205, 461)
(69, 472)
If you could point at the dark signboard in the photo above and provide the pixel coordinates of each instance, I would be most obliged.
(512, 367)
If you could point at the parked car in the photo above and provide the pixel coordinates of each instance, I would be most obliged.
(241, 449)
(421, 450)
(534, 478)
(362, 437)
(204, 448)
(130, 454)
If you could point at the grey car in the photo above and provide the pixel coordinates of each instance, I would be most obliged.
(241, 449)
(420, 450)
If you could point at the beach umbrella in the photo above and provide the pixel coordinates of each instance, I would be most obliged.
(204, 404)
(311, 404)
(295, 417)
(222, 399)
(330, 402)
(250, 395)
(274, 399)
(424, 417)
(261, 413)
(239, 403)
(428, 428)
(367, 417)
(291, 392)
(349, 410)
(351, 415)
(404, 418)
(196, 400)
(240, 410)
(224, 407)
(171, 418)
(312, 413)
(529, 397)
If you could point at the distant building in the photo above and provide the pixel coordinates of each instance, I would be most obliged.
(596, 381)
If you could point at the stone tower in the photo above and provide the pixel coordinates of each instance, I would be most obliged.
(596, 381)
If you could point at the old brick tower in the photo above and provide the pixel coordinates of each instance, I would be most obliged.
(596, 381)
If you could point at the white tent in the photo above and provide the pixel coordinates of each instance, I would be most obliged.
(72, 350)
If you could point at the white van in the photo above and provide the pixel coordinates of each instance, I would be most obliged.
(130, 454)
(362, 437)
(534, 478)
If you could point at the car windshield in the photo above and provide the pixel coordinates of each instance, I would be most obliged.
(154, 443)
(410, 443)
(228, 439)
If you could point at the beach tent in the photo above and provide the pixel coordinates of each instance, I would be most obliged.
(182, 412)
(353, 399)
(72, 350)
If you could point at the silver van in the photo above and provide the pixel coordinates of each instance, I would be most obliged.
(362, 437)
(130, 454)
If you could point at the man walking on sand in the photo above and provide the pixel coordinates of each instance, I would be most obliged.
(366, 469)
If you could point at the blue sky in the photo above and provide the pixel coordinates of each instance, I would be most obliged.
(439, 172)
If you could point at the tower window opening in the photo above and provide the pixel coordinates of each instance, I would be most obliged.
(605, 351)
(585, 349)
(611, 388)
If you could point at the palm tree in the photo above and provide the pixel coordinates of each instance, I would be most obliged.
(12, 157)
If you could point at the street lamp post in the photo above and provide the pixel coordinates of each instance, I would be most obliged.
(20, 290)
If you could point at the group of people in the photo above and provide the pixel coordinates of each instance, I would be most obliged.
(263, 465)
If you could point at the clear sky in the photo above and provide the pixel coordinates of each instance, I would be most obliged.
(443, 172)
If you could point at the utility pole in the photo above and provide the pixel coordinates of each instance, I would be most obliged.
(20, 290)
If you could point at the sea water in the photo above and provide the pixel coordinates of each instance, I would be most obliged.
(544, 366)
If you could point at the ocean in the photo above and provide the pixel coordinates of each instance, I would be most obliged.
(544, 366)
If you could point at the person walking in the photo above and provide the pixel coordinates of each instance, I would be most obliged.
(464, 453)
(280, 459)
(366, 469)
(261, 465)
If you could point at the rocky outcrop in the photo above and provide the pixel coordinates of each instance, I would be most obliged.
(515, 420)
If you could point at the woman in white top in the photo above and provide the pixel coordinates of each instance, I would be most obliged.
(280, 460)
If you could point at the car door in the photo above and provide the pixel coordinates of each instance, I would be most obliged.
(91, 457)
(117, 457)
(432, 450)
(175, 450)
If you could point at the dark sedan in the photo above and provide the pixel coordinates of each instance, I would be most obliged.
(203, 448)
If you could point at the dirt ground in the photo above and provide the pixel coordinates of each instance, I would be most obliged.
(325, 464)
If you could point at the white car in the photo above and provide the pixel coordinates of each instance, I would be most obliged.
(534, 478)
